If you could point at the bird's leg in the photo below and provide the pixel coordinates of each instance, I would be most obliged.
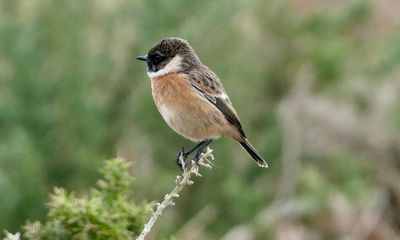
(182, 155)
(181, 158)
(200, 149)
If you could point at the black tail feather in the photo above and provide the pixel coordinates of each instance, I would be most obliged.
(253, 153)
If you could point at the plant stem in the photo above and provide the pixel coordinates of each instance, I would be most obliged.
(181, 181)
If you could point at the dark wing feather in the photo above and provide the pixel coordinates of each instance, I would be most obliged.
(229, 114)
(214, 98)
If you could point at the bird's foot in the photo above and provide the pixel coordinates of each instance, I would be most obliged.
(181, 157)
(197, 156)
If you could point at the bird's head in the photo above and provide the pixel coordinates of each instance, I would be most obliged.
(170, 55)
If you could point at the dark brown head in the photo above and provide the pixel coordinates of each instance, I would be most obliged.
(170, 55)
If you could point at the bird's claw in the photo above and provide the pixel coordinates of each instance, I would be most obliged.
(181, 159)
(197, 157)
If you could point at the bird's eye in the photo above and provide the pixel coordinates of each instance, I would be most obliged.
(157, 58)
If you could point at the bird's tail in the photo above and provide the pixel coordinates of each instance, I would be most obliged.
(253, 153)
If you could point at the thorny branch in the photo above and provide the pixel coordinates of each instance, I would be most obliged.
(181, 181)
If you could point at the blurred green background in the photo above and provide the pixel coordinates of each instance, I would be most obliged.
(315, 82)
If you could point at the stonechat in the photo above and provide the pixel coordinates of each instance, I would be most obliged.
(191, 98)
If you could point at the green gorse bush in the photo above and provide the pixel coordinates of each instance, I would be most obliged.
(106, 212)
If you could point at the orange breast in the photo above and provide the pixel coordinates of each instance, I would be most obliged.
(185, 111)
(170, 89)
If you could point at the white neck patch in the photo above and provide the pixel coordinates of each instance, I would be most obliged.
(174, 65)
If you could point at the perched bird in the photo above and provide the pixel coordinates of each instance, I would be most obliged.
(191, 98)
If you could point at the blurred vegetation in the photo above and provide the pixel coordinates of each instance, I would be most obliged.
(320, 103)
(105, 214)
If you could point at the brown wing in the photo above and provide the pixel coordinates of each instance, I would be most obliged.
(210, 87)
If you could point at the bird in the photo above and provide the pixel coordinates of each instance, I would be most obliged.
(192, 100)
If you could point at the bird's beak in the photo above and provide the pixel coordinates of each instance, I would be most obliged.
(142, 58)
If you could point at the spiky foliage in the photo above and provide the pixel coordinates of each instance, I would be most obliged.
(105, 213)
